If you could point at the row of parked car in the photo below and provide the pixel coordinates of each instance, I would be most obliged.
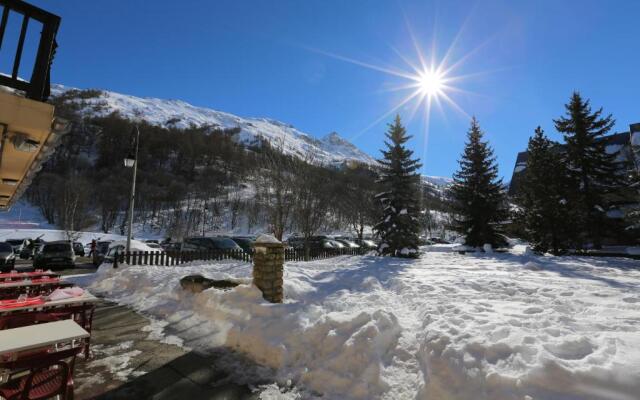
(330, 242)
(62, 254)
(246, 243)
(107, 250)
(57, 254)
(243, 243)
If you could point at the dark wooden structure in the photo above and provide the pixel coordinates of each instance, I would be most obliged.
(38, 86)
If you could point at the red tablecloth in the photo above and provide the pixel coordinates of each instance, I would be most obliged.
(17, 275)
(14, 303)
(45, 280)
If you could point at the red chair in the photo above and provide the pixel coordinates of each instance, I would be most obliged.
(45, 375)
(17, 320)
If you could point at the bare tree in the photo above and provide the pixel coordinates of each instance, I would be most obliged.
(252, 208)
(73, 205)
(275, 189)
(360, 208)
(310, 199)
(234, 204)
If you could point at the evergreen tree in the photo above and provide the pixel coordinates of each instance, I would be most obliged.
(543, 197)
(399, 227)
(479, 200)
(592, 170)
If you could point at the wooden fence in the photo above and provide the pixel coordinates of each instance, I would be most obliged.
(170, 258)
(291, 254)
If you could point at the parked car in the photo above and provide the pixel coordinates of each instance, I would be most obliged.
(155, 246)
(102, 248)
(209, 243)
(246, 242)
(29, 247)
(171, 246)
(17, 244)
(38, 248)
(7, 257)
(119, 246)
(152, 241)
(55, 255)
(296, 242)
(314, 242)
(78, 249)
(369, 244)
(439, 240)
(26, 252)
(348, 243)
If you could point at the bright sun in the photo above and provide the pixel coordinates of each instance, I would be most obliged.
(430, 83)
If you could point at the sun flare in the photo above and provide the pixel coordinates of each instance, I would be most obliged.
(430, 80)
(431, 83)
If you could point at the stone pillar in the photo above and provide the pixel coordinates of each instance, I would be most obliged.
(268, 267)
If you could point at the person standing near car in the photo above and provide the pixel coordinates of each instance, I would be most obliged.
(93, 252)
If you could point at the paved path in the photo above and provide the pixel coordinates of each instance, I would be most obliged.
(127, 364)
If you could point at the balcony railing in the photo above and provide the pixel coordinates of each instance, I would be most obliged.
(38, 86)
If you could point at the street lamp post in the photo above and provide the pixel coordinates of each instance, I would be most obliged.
(132, 161)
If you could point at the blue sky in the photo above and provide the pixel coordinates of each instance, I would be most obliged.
(267, 58)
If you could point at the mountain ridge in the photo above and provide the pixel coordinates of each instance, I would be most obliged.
(331, 149)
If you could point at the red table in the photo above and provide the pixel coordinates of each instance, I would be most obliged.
(37, 309)
(11, 276)
(31, 287)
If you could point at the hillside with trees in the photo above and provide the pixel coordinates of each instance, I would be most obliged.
(197, 179)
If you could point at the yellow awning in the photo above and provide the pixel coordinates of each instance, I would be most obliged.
(28, 134)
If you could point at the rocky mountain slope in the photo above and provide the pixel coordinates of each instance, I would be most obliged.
(331, 149)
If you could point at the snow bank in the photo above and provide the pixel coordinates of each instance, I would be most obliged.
(446, 326)
(336, 351)
(50, 235)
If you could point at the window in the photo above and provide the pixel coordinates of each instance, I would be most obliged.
(56, 248)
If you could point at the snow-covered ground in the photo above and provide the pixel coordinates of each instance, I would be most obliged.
(49, 235)
(446, 326)
(23, 215)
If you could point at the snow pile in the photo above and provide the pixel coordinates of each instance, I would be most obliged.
(267, 239)
(445, 326)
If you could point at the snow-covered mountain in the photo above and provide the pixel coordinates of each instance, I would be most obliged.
(332, 149)
(440, 181)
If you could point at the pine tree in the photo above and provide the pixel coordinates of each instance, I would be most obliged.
(399, 227)
(592, 170)
(478, 194)
(543, 197)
